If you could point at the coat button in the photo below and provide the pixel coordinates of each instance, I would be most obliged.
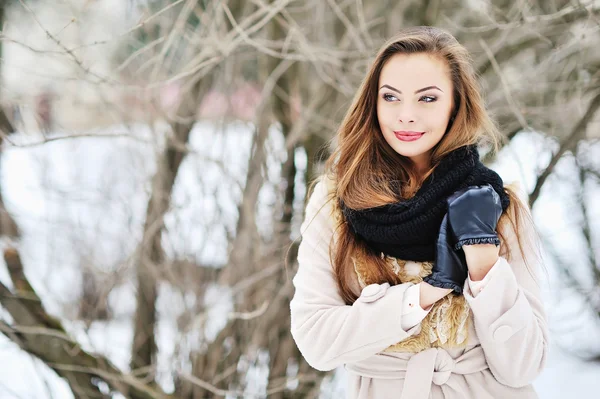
(370, 290)
(503, 333)
(373, 292)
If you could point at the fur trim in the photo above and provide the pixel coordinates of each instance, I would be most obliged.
(405, 269)
(360, 272)
(445, 326)
(447, 323)
(451, 324)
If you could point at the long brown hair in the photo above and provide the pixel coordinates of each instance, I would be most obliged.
(366, 169)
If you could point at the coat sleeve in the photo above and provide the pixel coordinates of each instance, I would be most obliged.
(508, 312)
(328, 332)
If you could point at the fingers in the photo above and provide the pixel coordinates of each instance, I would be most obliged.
(480, 191)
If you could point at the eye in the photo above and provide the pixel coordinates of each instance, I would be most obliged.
(389, 97)
(428, 99)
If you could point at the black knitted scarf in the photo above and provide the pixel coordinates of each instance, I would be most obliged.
(408, 229)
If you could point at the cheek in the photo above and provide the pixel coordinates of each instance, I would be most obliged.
(379, 108)
(382, 114)
(443, 122)
(439, 119)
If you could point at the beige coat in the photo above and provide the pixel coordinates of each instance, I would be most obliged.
(507, 341)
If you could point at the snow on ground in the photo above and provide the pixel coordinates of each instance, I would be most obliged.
(82, 202)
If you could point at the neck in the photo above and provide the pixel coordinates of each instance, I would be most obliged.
(421, 167)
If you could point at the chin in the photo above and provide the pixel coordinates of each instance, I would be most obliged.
(411, 150)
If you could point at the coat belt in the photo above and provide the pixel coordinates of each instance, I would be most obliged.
(434, 365)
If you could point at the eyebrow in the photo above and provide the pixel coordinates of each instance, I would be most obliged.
(418, 91)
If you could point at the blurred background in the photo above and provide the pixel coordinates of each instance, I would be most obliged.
(154, 161)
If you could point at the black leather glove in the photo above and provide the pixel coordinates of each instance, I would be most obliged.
(450, 267)
(473, 215)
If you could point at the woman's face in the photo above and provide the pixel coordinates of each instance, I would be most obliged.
(414, 104)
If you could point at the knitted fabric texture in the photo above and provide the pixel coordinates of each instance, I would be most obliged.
(408, 229)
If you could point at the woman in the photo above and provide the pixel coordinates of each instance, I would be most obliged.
(418, 267)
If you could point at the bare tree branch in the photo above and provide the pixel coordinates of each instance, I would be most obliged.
(568, 143)
(507, 93)
(42, 335)
(572, 12)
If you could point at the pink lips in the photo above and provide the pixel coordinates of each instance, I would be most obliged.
(408, 135)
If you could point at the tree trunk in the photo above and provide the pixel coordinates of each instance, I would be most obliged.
(151, 257)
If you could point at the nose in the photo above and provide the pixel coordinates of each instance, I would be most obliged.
(405, 114)
(407, 121)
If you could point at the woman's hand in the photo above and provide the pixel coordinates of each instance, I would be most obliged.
(450, 267)
(473, 216)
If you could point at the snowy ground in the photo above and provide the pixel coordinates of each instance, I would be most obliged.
(83, 200)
